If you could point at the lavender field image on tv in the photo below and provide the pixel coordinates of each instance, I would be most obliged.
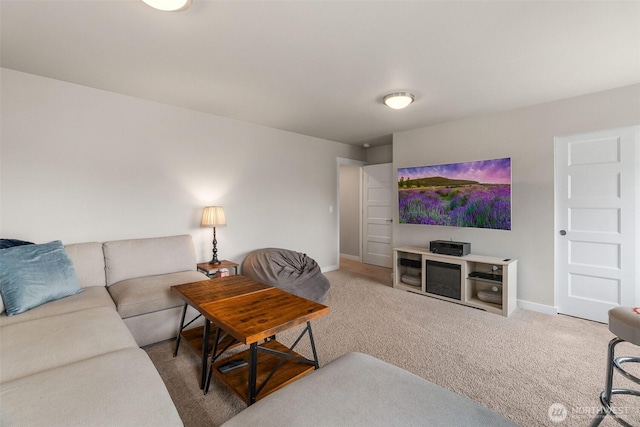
(471, 194)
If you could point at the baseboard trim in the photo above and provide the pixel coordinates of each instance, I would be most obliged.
(351, 257)
(330, 268)
(540, 308)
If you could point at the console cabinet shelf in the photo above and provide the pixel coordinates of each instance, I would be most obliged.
(487, 283)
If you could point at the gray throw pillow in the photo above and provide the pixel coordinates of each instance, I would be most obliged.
(32, 275)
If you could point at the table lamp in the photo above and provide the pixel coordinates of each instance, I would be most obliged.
(213, 216)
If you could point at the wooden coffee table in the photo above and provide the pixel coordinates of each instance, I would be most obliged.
(255, 317)
(205, 291)
(248, 312)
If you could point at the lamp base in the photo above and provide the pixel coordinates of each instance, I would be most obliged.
(215, 260)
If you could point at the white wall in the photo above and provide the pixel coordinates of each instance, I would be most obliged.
(526, 135)
(80, 164)
(380, 154)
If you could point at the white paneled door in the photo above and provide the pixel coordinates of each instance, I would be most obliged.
(377, 214)
(596, 215)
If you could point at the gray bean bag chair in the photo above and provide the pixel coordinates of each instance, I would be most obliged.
(288, 270)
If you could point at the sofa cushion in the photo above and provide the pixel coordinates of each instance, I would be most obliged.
(88, 261)
(115, 389)
(38, 345)
(128, 259)
(359, 390)
(144, 295)
(31, 275)
(160, 325)
(92, 297)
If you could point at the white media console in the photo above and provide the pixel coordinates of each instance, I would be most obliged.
(483, 282)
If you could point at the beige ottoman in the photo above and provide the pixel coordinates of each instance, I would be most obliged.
(359, 390)
(624, 322)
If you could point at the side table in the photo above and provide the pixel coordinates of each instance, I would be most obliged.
(211, 269)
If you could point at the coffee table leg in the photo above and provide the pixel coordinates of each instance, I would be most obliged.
(253, 364)
(214, 355)
(184, 313)
(313, 346)
(205, 352)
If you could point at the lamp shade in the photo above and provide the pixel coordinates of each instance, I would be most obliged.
(213, 216)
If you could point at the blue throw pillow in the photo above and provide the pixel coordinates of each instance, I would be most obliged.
(31, 275)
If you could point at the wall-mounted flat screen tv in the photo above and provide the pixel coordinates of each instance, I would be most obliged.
(471, 194)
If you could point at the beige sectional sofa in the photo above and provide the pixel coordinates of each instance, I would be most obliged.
(76, 360)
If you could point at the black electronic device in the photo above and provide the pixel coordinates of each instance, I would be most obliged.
(406, 262)
(494, 277)
(230, 366)
(443, 279)
(446, 247)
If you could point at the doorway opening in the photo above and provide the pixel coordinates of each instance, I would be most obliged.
(365, 200)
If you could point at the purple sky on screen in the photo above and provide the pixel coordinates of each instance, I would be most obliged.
(496, 171)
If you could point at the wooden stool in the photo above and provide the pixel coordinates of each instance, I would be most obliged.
(624, 322)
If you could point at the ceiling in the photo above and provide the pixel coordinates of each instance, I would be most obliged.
(321, 68)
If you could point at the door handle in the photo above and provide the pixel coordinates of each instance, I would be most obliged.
(389, 220)
(562, 232)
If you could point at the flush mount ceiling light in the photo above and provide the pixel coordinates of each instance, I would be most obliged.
(169, 5)
(398, 100)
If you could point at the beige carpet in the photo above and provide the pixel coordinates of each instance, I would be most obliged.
(518, 366)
